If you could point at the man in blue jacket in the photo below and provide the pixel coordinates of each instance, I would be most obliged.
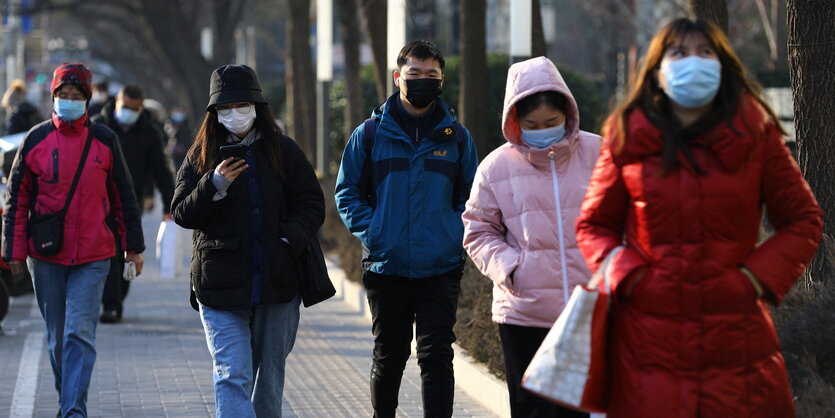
(405, 176)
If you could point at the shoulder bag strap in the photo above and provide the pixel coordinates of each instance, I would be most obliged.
(80, 168)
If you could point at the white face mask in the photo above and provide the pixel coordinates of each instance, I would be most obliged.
(126, 116)
(238, 120)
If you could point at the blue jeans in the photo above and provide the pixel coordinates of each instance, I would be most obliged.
(246, 343)
(69, 298)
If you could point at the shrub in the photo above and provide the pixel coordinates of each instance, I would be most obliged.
(806, 325)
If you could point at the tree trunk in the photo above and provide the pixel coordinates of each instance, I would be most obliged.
(301, 92)
(375, 18)
(715, 11)
(169, 34)
(350, 28)
(811, 59)
(472, 100)
(538, 46)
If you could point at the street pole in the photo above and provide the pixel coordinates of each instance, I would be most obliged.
(521, 19)
(396, 39)
(13, 43)
(324, 75)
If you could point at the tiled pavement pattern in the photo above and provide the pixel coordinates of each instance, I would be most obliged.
(155, 363)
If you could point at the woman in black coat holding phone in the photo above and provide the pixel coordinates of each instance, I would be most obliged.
(253, 211)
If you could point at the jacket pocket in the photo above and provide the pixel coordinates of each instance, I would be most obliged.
(731, 291)
(373, 233)
(282, 267)
(53, 168)
(222, 264)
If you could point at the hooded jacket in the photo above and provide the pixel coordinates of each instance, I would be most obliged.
(692, 338)
(144, 151)
(415, 229)
(515, 229)
(41, 178)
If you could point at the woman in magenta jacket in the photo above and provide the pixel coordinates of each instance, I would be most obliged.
(689, 161)
(69, 284)
(519, 220)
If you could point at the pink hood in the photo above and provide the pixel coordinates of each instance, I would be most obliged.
(533, 76)
(511, 227)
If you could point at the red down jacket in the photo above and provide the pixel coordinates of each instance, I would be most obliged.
(692, 339)
(41, 177)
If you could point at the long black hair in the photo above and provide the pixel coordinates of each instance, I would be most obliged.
(212, 134)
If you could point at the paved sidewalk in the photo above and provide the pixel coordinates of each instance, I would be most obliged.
(156, 364)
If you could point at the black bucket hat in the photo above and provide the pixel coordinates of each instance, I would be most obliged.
(232, 84)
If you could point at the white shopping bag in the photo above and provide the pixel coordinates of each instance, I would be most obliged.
(167, 249)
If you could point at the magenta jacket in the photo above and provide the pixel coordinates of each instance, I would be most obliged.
(515, 230)
(41, 176)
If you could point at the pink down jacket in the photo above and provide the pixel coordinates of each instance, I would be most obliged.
(515, 231)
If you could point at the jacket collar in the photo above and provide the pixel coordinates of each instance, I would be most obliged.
(69, 127)
(385, 113)
(731, 146)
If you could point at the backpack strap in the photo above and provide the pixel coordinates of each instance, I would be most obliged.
(369, 130)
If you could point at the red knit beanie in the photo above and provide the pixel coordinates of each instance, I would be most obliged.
(76, 74)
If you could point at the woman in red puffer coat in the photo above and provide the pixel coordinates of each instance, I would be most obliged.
(688, 162)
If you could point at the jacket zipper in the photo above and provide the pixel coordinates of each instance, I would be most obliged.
(561, 232)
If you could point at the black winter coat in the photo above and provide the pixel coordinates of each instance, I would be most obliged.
(22, 118)
(144, 148)
(221, 271)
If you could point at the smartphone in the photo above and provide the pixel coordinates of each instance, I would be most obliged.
(235, 150)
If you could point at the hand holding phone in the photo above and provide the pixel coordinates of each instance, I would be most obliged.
(234, 150)
(233, 163)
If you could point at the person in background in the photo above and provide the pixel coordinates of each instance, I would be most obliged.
(101, 98)
(142, 144)
(519, 220)
(406, 212)
(253, 213)
(69, 284)
(691, 160)
(20, 114)
(178, 129)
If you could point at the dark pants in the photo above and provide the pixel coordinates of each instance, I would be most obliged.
(115, 287)
(396, 303)
(519, 345)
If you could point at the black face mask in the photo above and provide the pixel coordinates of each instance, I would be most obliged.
(422, 91)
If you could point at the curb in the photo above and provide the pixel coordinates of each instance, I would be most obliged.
(472, 377)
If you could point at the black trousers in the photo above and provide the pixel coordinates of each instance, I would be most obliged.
(519, 345)
(115, 287)
(396, 304)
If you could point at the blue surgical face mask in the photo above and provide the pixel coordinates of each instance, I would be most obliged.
(126, 116)
(69, 110)
(692, 81)
(543, 138)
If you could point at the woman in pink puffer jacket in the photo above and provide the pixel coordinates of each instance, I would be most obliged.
(515, 229)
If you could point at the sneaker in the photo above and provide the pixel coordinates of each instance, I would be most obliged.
(111, 317)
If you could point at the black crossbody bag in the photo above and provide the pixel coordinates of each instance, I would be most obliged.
(47, 230)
